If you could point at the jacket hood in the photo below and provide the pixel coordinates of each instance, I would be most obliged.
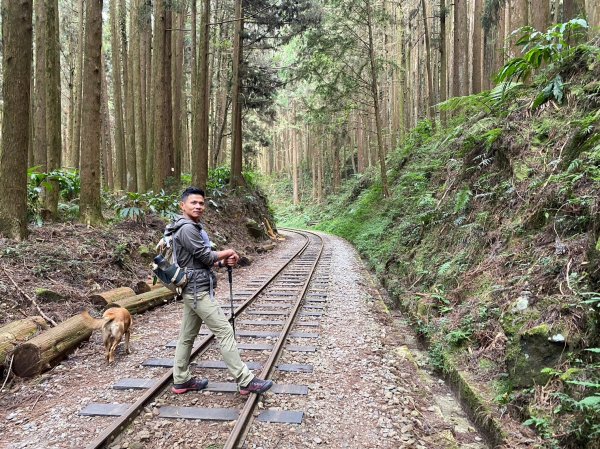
(177, 223)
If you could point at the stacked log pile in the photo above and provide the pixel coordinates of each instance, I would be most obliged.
(45, 350)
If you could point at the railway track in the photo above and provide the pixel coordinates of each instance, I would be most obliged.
(277, 322)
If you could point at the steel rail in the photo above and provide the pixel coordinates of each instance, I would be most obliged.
(246, 414)
(108, 435)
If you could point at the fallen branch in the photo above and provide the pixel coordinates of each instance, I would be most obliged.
(36, 401)
(567, 275)
(33, 301)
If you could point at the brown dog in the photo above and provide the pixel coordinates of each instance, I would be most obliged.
(115, 323)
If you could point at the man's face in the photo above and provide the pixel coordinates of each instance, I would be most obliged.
(193, 207)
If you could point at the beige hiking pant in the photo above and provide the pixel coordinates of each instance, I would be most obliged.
(210, 313)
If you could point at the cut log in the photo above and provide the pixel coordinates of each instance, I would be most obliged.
(146, 286)
(17, 332)
(146, 301)
(48, 348)
(110, 296)
(142, 287)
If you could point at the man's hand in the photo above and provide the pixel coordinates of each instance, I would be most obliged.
(228, 257)
(232, 260)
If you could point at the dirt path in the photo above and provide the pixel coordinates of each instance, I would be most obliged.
(370, 387)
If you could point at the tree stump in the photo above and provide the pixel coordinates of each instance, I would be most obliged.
(16, 332)
(105, 298)
(48, 348)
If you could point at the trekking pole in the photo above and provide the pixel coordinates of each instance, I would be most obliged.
(230, 276)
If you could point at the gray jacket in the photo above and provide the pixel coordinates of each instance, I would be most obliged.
(193, 252)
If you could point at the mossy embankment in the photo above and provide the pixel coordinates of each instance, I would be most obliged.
(490, 240)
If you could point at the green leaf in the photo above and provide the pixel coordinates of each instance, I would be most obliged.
(540, 100)
(584, 384)
(579, 22)
(594, 350)
(502, 89)
(557, 89)
(590, 401)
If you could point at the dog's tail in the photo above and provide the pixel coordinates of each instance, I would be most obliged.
(92, 323)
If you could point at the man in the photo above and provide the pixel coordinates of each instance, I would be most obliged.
(192, 250)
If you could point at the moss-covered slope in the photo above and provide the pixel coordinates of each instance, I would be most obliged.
(491, 241)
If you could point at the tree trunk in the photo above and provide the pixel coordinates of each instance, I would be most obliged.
(128, 110)
(16, 84)
(573, 9)
(169, 157)
(375, 95)
(320, 169)
(146, 86)
(237, 179)
(158, 78)
(443, 59)
(460, 85)
(294, 147)
(16, 332)
(200, 146)
(593, 13)
(138, 97)
(120, 160)
(107, 164)
(335, 154)
(490, 48)
(40, 143)
(360, 144)
(477, 59)
(402, 103)
(518, 18)
(90, 202)
(53, 108)
(430, 93)
(78, 88)
(177, 69)
(501, 50)
(540, 14)
(47, 349)
(222, 99)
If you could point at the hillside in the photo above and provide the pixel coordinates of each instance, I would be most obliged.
(490, 242)
(61, 264)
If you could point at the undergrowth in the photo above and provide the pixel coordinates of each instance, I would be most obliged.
(490, 241)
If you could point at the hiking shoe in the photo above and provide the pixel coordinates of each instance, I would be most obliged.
(257, 386)
(190, 385)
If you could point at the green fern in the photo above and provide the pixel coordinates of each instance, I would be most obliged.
(445, 268)
(475, 101)
(463, 198)
(553, 90)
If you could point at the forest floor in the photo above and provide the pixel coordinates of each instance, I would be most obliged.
(61, 264)
(371, 386)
